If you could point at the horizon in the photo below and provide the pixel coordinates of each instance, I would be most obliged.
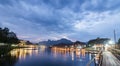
(41, 20)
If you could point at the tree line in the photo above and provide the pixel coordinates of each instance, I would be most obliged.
(6, 36)
(98, 41)
(119, 41)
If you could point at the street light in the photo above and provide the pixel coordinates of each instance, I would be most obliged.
(111, 42)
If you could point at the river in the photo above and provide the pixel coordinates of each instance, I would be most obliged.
(44, 57)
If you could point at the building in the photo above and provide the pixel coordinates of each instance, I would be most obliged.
(79, 44)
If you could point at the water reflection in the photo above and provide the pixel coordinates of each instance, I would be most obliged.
(8, 60)
(23, 52)
(73, 53)
(42, 56)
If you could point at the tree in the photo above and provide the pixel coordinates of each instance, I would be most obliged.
(8, 37)
(6, 30)
(119, 41)
(98, 41)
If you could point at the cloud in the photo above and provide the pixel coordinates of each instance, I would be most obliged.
(47, 19)
(0, 25)
(100, 5)
(100, 24)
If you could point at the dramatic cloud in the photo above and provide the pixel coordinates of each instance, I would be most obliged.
(38, 20)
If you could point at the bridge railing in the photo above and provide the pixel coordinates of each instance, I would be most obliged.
(97, 59)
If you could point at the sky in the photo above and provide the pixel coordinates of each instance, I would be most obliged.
(39, 20)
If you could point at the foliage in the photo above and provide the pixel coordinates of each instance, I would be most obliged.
(119, 41)
(8, 37)
(98, 41)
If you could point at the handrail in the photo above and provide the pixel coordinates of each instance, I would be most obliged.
(101, 58)
(88, 64)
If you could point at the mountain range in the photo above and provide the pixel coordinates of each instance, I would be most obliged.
(53, 42)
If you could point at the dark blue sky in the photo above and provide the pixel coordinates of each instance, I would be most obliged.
(38, 20)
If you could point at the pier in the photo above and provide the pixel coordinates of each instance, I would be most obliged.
(109, 59)
(105, 58)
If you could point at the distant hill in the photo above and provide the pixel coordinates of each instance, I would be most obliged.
(98, 41)
(75, 44)
(79, 42)
(53, 42)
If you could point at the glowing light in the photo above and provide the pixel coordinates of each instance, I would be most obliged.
(106, 47)
(22, 53)
(72, 56)
(79, 47)
(94, 47)
(111, 42)
(14, 45)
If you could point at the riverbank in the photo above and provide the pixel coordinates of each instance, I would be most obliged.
(4, 49)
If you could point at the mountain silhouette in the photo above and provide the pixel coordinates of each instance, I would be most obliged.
(53, 42)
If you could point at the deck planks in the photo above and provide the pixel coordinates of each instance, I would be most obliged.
(109, 59)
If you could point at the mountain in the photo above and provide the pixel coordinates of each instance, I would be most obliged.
(53, 42)
(75, 44)
(79, 42)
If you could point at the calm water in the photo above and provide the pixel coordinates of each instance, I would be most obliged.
(44, 57)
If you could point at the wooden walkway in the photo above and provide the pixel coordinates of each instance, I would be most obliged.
(109, 59)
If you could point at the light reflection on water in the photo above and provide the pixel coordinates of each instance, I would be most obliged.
(48, 57)
(23, 52)
(65, 53)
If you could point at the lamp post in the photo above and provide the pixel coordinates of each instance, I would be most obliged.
(115, 38)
